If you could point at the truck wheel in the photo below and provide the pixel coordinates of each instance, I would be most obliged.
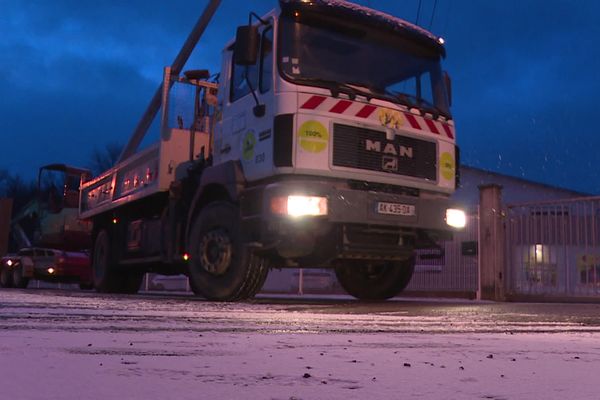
(18, 280)
(5, 278)
(221, 266)
(367, 280)
(105, 274)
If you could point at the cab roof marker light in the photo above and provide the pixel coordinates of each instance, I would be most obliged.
(441, 40)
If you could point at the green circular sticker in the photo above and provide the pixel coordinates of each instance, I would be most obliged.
(248, 146)
(447, 166)
(313, 136)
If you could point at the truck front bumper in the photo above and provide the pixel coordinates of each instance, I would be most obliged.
(354, 226)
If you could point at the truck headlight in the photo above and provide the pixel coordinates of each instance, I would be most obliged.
(299, 206)
(456, 218)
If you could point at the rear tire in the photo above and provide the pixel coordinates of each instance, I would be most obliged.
(222, 267)
(18, 280)
(6, 278)
(105, 274)
(375, 280)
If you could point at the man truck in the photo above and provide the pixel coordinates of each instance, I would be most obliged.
(325, 141)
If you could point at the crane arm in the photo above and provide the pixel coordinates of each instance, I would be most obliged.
(176, 67)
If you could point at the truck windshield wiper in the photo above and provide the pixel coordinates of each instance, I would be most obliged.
(413, 101)
(353, 89)
(384, 94)
(335, 87)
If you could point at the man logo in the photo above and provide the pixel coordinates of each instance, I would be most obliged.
(389, 148)
(389, 164)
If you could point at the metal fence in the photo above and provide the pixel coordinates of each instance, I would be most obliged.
(455, 268)
(553, 248)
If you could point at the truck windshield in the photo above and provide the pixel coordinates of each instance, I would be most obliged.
(318, 51)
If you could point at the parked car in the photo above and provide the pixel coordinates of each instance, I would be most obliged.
(50, 265)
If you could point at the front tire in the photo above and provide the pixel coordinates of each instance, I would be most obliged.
(105, 274)
(222, 267)
(18, 280)
(370, 280)
(6, 278)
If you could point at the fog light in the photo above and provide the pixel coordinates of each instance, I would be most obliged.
(299, 206)
(456, 218)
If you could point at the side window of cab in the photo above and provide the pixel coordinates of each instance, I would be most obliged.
(260, 75)
(266, 60)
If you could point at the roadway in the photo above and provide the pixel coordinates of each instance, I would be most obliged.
(74, 344)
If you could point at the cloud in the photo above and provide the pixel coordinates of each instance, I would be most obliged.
(523, 88)
(58, 111)
(79, 74)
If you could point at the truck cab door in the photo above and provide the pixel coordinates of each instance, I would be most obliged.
(242, 134)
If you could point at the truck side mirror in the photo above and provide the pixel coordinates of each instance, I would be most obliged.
(246, 45)
(448, 83)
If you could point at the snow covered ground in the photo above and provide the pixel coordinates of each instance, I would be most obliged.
(73, 345)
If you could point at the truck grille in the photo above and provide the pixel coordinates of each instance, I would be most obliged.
(361, 148)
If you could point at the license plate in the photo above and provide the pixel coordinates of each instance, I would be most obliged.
(407, 210)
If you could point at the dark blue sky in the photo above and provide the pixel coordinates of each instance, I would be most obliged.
(78, 74)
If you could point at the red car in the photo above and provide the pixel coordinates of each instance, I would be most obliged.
(43, 264)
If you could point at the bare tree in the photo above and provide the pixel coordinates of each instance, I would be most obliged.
(15, 187)
(4, 176)
(104, 159)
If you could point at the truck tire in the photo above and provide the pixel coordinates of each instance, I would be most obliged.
(375, 280)
(5, 278)
(18, 280)
(222, 267)
(105, 274)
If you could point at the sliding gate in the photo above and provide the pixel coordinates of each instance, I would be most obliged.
(553, 248)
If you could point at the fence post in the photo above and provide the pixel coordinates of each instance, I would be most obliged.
(5, 216)
(491, 244)
(301, 281)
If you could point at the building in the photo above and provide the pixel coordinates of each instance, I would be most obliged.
(514, 190)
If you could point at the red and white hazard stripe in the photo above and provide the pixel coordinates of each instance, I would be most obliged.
(371, 112)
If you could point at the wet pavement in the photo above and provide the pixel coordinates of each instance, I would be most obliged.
(79, 310)
(83, 345)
